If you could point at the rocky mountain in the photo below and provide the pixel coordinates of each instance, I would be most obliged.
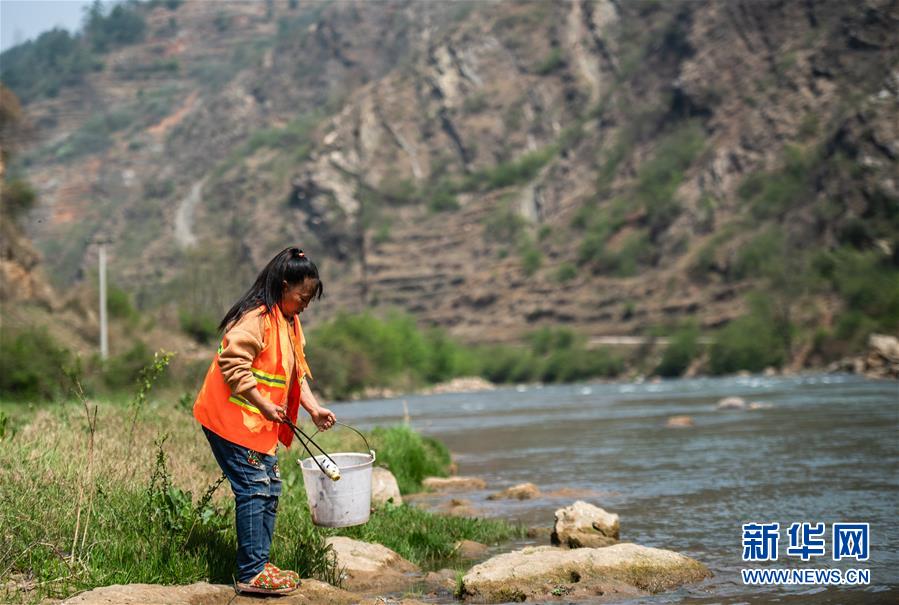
(614, 167)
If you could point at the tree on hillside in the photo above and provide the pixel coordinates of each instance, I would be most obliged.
(123, 25)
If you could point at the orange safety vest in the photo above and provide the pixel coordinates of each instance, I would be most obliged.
(234, 418)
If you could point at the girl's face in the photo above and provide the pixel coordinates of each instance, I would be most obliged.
(296, 297)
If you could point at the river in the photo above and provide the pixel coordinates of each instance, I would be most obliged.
(827, 450)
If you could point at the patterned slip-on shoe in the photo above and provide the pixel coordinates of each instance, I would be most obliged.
(286, 573)
(267, 582)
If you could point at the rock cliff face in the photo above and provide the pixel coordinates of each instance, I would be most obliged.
(489, 168)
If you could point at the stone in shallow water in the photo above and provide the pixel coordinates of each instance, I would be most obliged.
(453, 484)
(539, 573)
(585, 525)
(679, 422)
(732, 403)
(522, 491)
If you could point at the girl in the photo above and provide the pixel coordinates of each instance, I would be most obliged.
(256, 380)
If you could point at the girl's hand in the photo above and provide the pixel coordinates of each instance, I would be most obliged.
(273, 412)
(323, 418)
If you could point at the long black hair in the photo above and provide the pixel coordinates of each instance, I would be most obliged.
(291, 266)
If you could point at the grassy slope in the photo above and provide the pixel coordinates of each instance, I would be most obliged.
(151, 516)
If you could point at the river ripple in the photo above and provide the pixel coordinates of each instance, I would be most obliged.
(827, 450)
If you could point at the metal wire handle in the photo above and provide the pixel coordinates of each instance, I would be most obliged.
(367, 446)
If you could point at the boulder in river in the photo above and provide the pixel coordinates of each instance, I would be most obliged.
(732, 403)
(371, 566)
(453, 484)
(679, 422)
(522, 491)
(384, 487)
(543, 572)
(585, 525)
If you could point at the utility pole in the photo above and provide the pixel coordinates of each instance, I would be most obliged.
(104, 332)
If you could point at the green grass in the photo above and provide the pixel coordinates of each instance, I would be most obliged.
(409, 456)
(151, 509)
(429, 540)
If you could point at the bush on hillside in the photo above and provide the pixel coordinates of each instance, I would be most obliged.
(34, 365)
(682, 349)
(751, 342)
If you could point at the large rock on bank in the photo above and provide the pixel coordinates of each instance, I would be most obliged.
(544, 572)
(384, 487)
(369, 567)
(585, 525)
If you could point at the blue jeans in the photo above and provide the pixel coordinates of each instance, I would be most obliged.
(256, 483)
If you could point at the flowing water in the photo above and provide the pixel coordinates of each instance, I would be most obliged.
(827, 450)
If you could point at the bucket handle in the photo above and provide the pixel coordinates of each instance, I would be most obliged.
(367, 446)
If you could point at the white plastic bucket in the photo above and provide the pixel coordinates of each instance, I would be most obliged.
(339, 503)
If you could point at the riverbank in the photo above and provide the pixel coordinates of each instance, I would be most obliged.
(98, 494)
(130, 499)
(879, 362)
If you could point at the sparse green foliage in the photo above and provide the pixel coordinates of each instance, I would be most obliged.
(566, 272)
(33, 365)
(514, 172)
(199, 324)
(553, 61)
(531, 257)
(122, 25)
(681, 350)
(409, 456)
(146, 378)
(42, 67)
(475, 103)
(119, 304)
(659, 177)
(17, 198)
(427, 539)
(771, 194)
(751, 342)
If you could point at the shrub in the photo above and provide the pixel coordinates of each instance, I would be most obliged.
(531, 257)
(771, 194)
(566, 272)
(759, 257)
(122, 371)
(681, 350)
(513, 172)
(751, 342)
(200, 325)
(659, 177)
(118, 302)
(442, 197)
(553, 61)
(409, 456)
(34, 365)
(17, 198)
